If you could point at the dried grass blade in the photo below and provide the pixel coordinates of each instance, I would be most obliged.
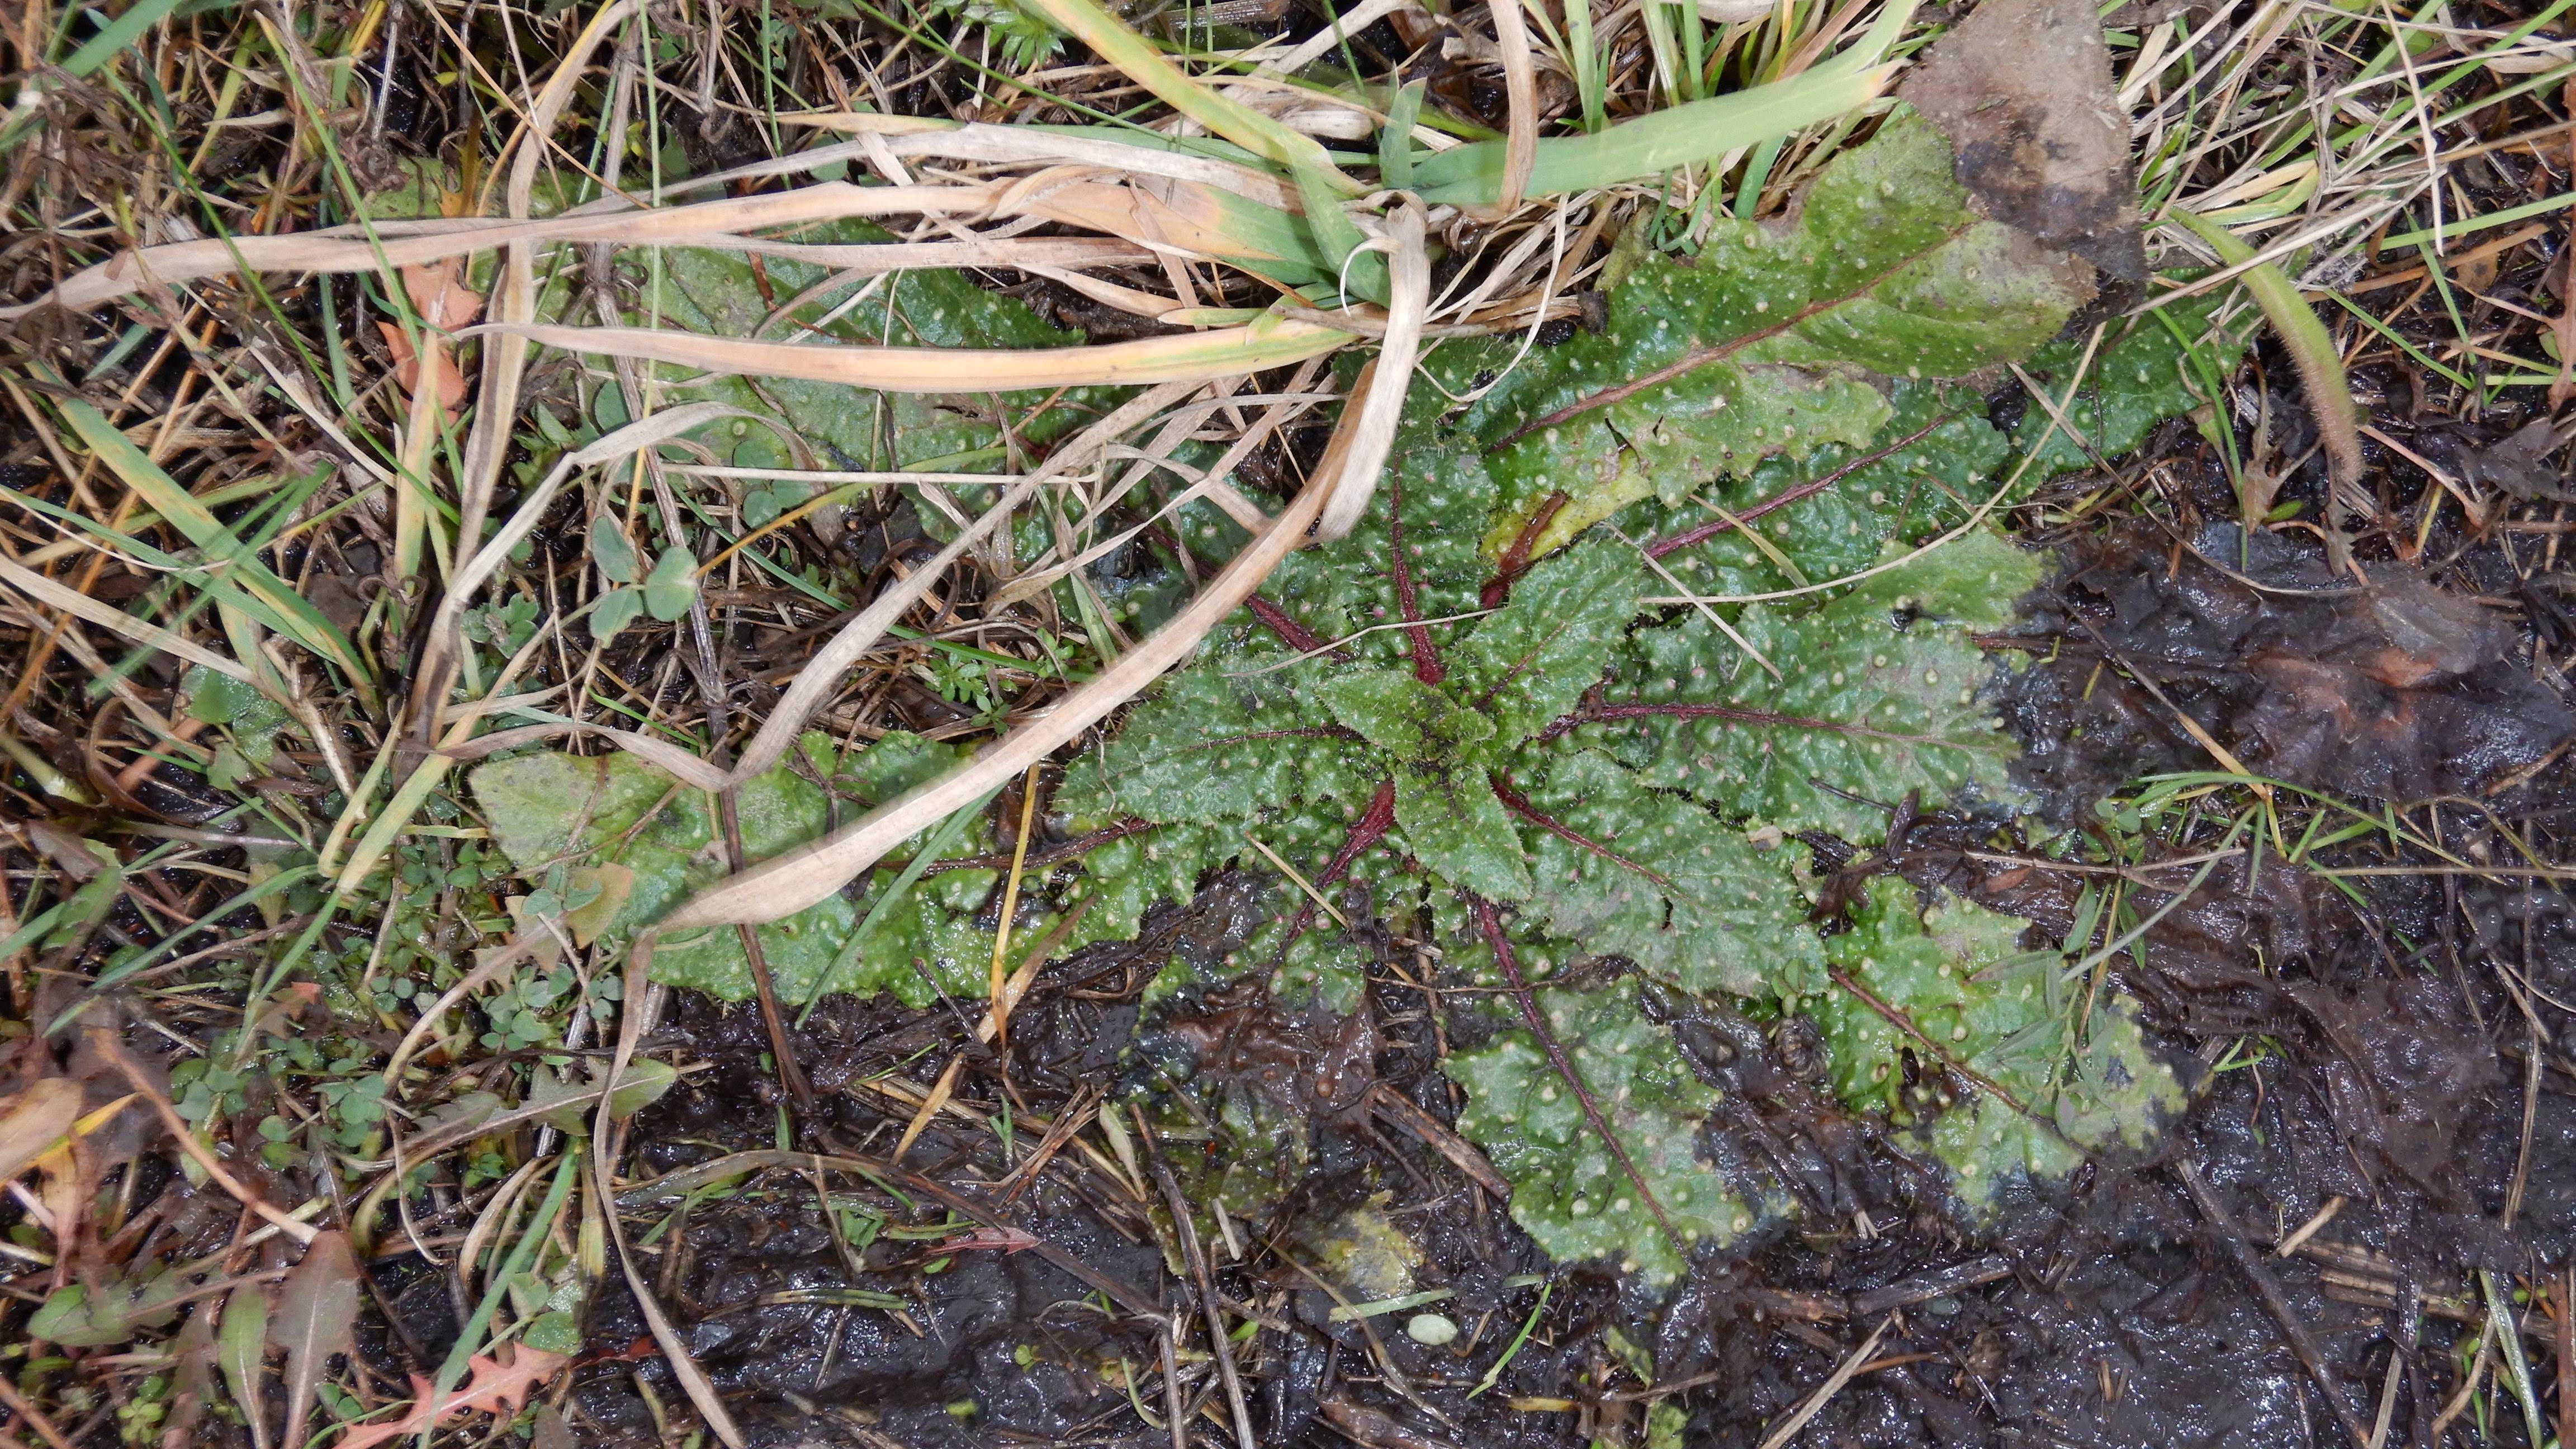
(1136, 58)
(1195, 357)
(821, 676)
(1520, 92)
(514, 297)
(346, 249)
(151, 636)
(789, 883)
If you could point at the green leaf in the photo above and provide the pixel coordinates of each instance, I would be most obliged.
(1452, 821)
(1528, 664)
(1655, 878)
(72, 1318)
(672, 586)
(615, 610)
(220, 699)
(1778, 338)
(1405, 719)
(1878, 697)
(241, 1349)
(555, 1332)
(1212, 743)
(2143, 373)
(1568, 1191)
(610, 550)
(1965, 993)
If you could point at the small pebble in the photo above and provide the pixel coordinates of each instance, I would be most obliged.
(1431, 1329)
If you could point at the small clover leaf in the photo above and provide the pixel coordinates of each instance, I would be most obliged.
(610, 550)
(672, 585)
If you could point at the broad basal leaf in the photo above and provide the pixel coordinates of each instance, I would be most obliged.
(1404, 719)
(1619, 868)
(1877, 697)
(1217, 743)
(1529, 663)
(1773, 341)
(1455, 826)
(1568, 1191)
(1949, 992)
(549, 809)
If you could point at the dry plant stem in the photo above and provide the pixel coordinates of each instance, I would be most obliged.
(1196, 1257)
(2223, 1228)
(1180, 357)
(496, 410)
(1833, 1384)
(1520, 94)
(791, 882)
(820, 677)
(1490, 921)
(105, 1044)
(608, 1136)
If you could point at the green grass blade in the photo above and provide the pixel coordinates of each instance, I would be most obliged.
(297, 619)
(1682, 136)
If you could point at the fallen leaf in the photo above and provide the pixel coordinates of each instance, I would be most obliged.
(440, 298)
(315, 1309)
(449, 382)
(492, 1386)
(2024, 91)
(34, 1120)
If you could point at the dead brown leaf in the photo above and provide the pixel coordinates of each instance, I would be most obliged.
(316, 1308)
(493, 1387)
(2023, 89)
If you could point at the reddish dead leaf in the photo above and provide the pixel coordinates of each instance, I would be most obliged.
(449, 382)
(492, 1387)
(443, 303)
(441, 299)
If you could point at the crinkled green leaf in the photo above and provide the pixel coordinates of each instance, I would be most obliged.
(1656, 878)
(1878, 697)
(1568, 1191)
(1965, 993)
(1773, 340)
(1941, 457)
(2142, 375)
(1213, 743)
(1404, 719)
(1529, 663)
(1452, 821)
